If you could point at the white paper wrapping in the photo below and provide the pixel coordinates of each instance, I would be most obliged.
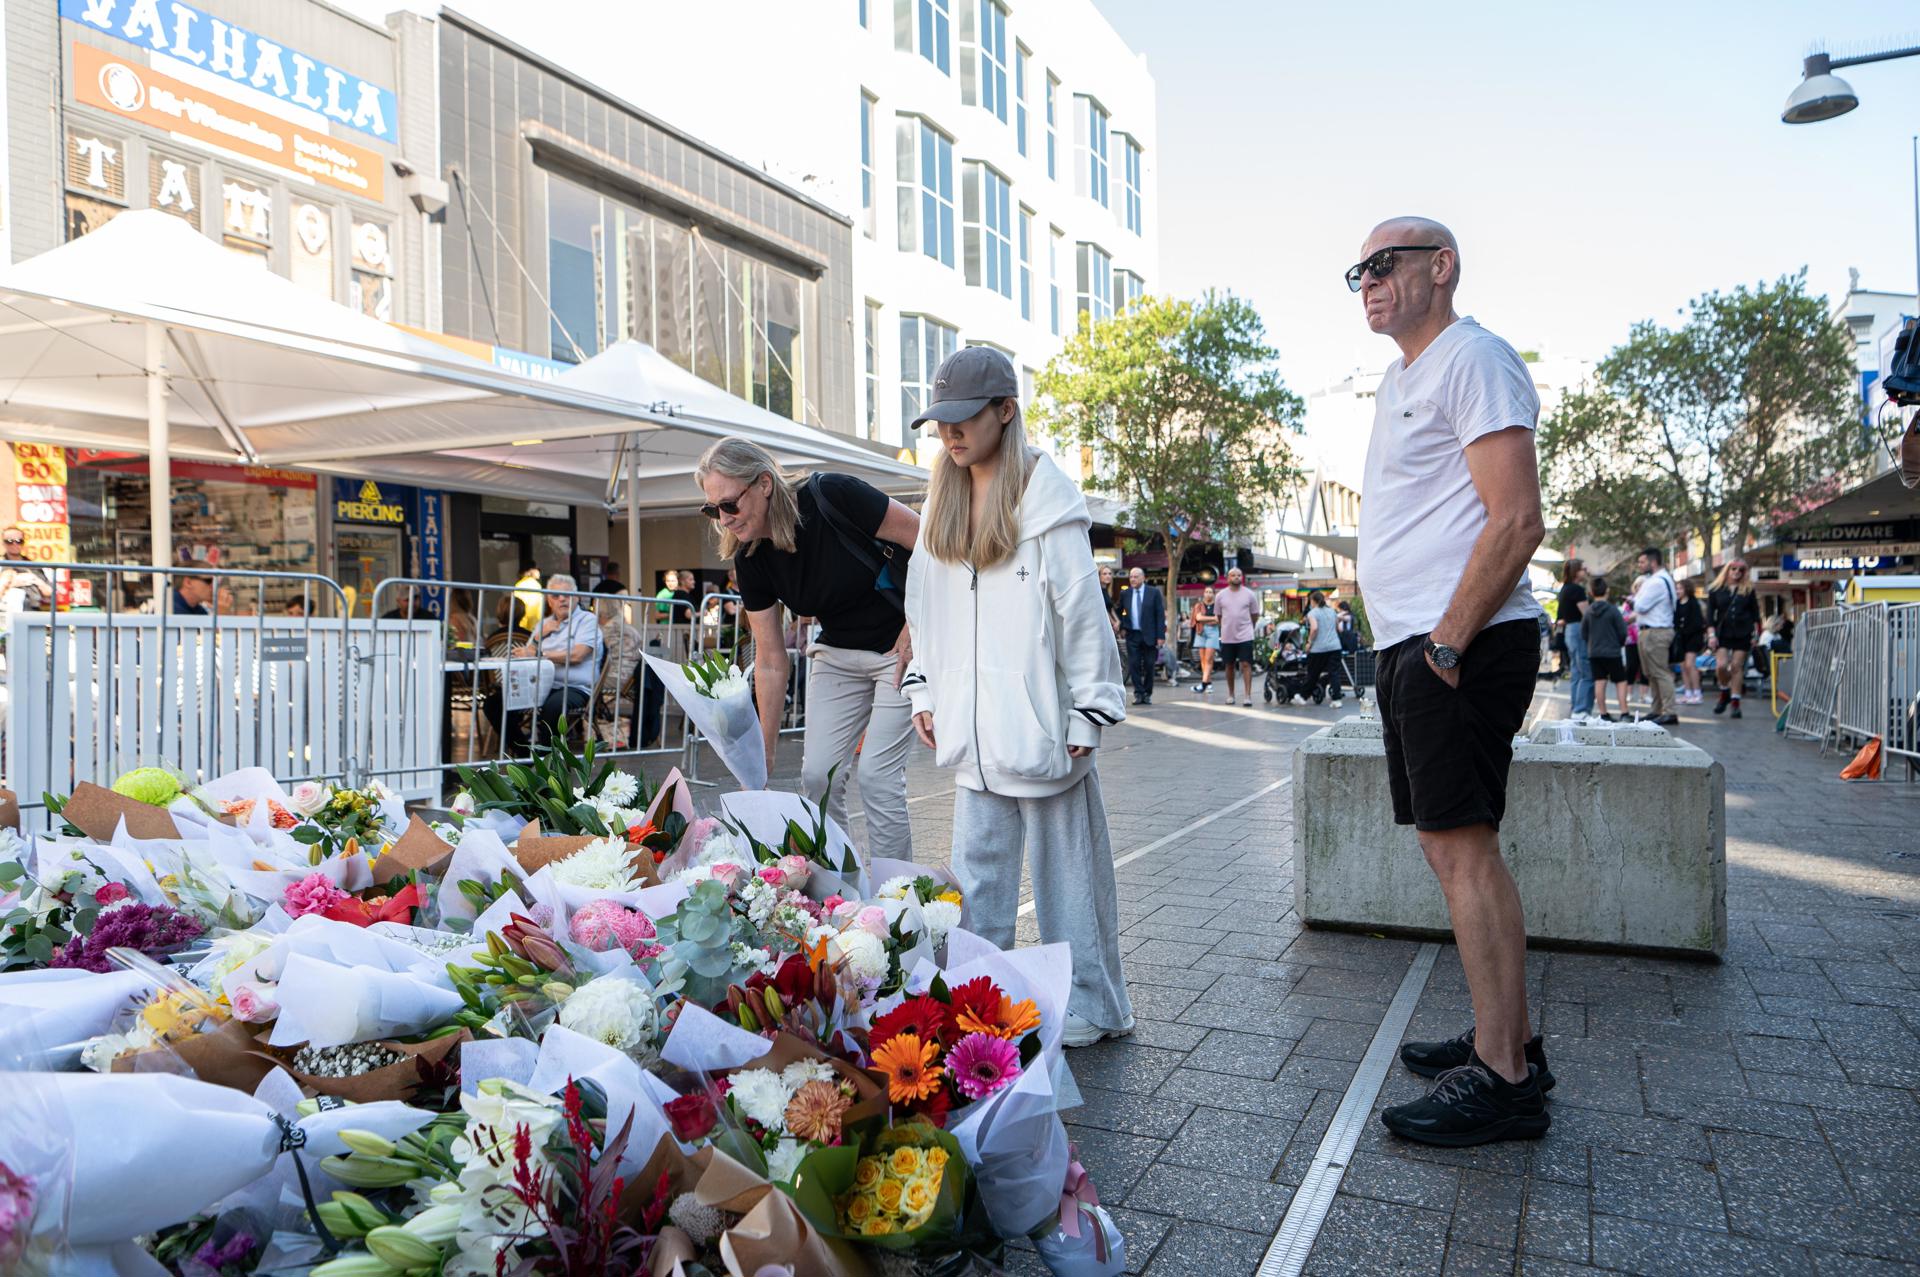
(326, 1005)
(702, 1040)
(483, 1058)
(631, 1091)
(344, 945)
(127, 1126)
(731, 724)
(764, 815)
(479, 857)
(41, 1010)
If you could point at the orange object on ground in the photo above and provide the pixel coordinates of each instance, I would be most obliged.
(1865, 764)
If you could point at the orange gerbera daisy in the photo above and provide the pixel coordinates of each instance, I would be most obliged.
(909, 1065)
(1011, 1020)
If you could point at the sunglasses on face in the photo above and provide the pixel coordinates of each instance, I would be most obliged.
(730, 507)
(1381, 264)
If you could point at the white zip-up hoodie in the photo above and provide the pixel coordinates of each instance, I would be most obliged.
(1017, 662)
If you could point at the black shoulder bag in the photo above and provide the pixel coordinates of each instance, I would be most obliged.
(881, 558)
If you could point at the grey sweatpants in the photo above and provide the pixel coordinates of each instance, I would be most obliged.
(1073, 885)
(850, 695)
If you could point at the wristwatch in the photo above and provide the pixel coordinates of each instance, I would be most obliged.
(1443, 657)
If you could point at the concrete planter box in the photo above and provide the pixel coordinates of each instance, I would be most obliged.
(1616, 840)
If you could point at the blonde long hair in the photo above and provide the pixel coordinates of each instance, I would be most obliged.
(745, 461)
(996, 533)
(1746, 582)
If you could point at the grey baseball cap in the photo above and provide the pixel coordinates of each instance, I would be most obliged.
(968, 381)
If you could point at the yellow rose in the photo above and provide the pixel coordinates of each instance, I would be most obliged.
(904, 1162)
(860, 1209)
(888, 1195)
(919, 1195)
(867, 1173)
(878, 1226)
(936, 1158)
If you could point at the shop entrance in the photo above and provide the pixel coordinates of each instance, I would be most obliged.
(364, 557)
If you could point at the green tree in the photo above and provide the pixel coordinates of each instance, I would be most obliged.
(1710, 429)
(1181, 414)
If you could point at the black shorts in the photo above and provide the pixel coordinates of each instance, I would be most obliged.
(1608, 669)
(1230, 652)
(1448, 749)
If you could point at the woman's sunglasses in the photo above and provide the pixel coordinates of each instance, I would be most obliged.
(1382, 262)
(730, 507)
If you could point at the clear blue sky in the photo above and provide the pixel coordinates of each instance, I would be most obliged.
(1600, 163)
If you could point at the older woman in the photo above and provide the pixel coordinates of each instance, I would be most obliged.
(836, 549)
(569, 637)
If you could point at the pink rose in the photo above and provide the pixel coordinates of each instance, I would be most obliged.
(251, 1004)
(797, 868)
(772, 875)
(112, 892)
(874, 919)
(728, 876)
(833, 902)
(312, 894)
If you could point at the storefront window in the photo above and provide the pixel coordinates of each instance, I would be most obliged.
(246, 218)
(372, 291)
(96, 180)
(173, 186)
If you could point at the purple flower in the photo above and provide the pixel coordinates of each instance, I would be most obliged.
(16, 1211)
(153, 930)
(981, 1064)
(237, 1250)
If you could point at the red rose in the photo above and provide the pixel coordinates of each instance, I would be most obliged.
(692, 1116)
(111, 892)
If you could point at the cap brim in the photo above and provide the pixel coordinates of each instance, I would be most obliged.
(952, 411)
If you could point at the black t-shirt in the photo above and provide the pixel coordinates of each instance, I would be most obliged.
(820, 579)
(1572, 595)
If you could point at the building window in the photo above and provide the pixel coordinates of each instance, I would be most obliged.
(924, 345)
(173, 186)
(246, 218)
(96, 181)
(925, 27)
(989, 229)
(1094, 275)
(1128, 288)
(983, 56)
(311, 256)
(1056, 248)
(1090, 149)
(1020, 56)
(924, 169)
(372, 284)
(867, 128)
(1026, 263)
(1135, 208)
(873, 370)
(1053, 127)
(575, 265)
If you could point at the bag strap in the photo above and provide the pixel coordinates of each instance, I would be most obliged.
(857, 543)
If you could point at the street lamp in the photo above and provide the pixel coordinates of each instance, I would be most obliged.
(1822, 95)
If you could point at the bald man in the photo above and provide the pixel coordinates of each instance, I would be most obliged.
(1451, 518)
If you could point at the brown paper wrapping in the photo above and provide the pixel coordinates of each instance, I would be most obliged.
(9, 809)
(869, 1093)
(97, 812)
(397, 1081)
(419, 848)
(535, 851)
(227, 1056)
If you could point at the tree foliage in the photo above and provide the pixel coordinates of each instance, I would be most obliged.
(1182, 414)
(1711, 428)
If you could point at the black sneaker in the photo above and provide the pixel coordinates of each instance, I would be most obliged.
(1736, 707)
(1720, 706)
(1431, 1059)
(1472, 1106)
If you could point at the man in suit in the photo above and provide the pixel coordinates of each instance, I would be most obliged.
(1143, 617)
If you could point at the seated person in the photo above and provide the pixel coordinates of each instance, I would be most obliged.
(569, 636)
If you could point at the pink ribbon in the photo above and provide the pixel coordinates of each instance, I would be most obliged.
(1077, 1193)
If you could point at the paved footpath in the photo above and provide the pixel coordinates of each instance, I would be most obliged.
(1756, 1116)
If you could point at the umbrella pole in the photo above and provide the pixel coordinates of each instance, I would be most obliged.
(160, 461)
(633, 517)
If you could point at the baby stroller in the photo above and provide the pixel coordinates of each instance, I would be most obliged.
(1287, 667)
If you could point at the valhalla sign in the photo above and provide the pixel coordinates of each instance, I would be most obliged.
(183, 32)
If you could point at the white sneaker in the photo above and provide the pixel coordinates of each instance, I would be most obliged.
(1337, 704)
(1081, 1031)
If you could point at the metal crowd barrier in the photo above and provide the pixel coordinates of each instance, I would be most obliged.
(1860, 708)
(1903, 685)
(231, 668)
(1858, 679)
(1819, 649)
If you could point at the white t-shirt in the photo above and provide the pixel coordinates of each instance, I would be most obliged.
(1419, 513)
(1654, 601)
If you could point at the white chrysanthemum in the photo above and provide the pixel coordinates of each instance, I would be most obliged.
(723, 848)
(895, 888)
(942, 917)
(801, 1072)
(784, 1160)
(733, 684)
(864, 953)
(605, 864)
(617, 1012)
(620, 787)
(762, 1096)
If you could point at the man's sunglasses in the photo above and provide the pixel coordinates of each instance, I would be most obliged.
(729, 507)
(1383, 262)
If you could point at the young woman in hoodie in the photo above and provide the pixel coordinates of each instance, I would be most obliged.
(1013, 676)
